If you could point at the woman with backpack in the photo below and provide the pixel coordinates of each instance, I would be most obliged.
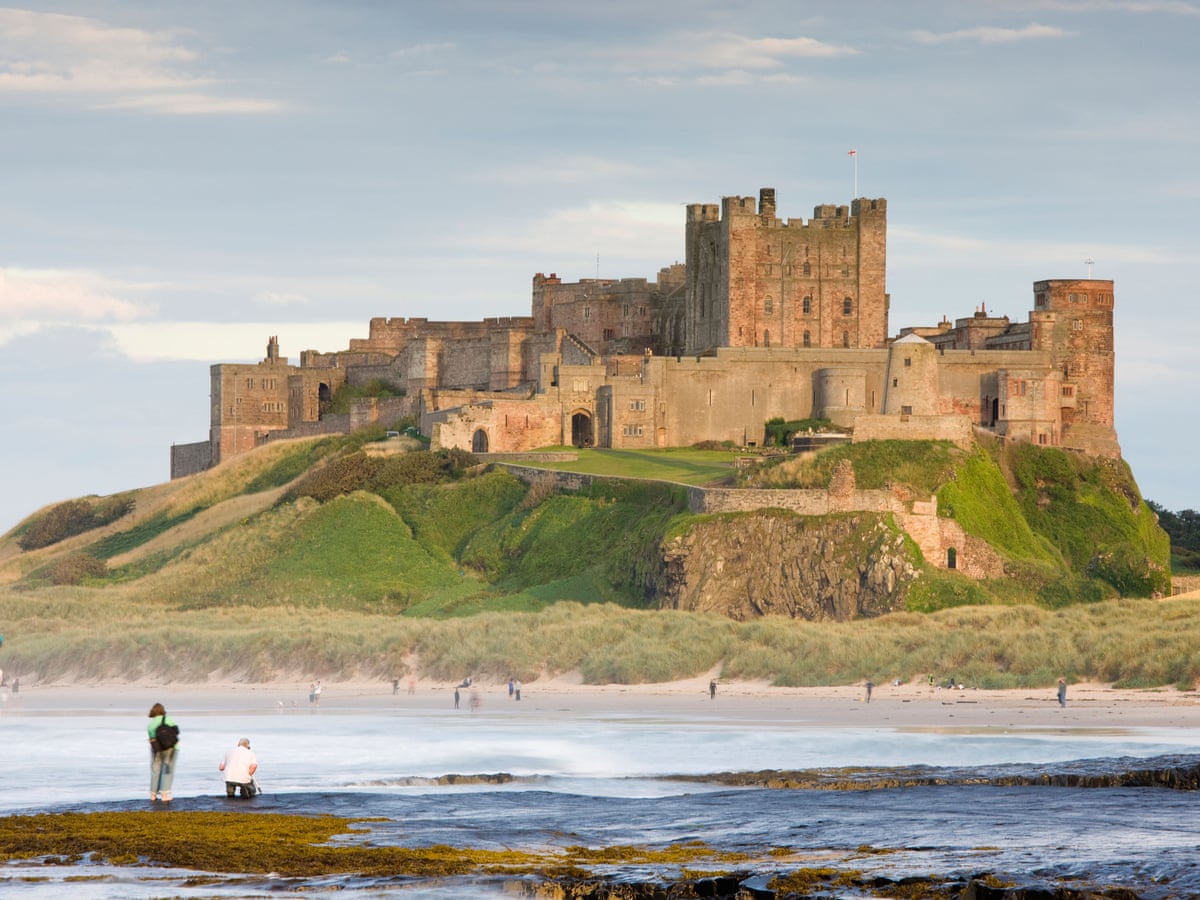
(164, 745)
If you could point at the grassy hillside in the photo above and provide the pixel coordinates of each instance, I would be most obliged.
(315, 557)
(1070, 529)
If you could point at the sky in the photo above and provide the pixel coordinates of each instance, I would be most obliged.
(179, 181)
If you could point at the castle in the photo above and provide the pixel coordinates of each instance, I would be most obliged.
(767, 318)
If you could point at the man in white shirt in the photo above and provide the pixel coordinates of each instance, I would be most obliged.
(239, 766)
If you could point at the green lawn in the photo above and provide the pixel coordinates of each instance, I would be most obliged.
(679, 464)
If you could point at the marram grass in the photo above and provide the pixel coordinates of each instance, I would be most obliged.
(1133, 643)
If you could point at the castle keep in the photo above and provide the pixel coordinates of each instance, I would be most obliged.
(766, 318)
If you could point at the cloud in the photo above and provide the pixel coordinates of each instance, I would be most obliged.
(45, 54)
(633, 230)
(915, 244)
(743, 60)
(281, 298)
(992, 35)
(33, 295)
(424, 51)
(216, 342)
(1137, 7)
(563, 170)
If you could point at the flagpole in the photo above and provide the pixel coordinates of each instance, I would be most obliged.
(853, 154)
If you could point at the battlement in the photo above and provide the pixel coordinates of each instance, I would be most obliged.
(703, 212)
(826, 215)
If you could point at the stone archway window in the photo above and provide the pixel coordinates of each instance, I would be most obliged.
(847, 307)
(952, 558)
(479, 442)
(806, 305)
(808, 339)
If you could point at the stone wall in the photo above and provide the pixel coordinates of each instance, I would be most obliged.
(957, 429)
(188, 459)
(502, 425)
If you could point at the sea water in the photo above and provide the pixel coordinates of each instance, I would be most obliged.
(598, 777)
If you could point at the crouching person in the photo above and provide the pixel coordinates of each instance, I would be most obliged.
(239, 766)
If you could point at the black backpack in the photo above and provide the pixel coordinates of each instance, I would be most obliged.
(166, 736)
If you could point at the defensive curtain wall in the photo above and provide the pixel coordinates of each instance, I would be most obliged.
(777, 318)
(942, 541)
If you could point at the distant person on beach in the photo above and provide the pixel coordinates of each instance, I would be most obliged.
(1062, 692)
(239, 766)
(162, 761)
(314, 692)
(712, 689)
(510, 688)
(456, 698)
(16, 685)
(870, 686)
(395, 686)
(517, 688)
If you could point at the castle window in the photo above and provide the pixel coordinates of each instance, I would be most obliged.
(1068, 391)
(908, 362)
(1077, 325)
(641, 310)
(845, 339)
(587, 313)
(625, 310)
(1083, 298)
(637, 405)
(1041, 438)
(806, 304)
(1074, 298)
(845, 270)
(608, 334)
(847, 306)
(951, 558)
(906, 410)
(807, 339)
(249, 384)
(895, 382)
(768, 304)
(807, 269)
(766, 339)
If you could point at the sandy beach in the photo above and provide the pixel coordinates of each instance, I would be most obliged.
(912, 705)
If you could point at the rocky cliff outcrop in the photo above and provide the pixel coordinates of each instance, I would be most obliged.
(773, 562)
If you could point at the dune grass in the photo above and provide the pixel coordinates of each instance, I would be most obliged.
(63, 633)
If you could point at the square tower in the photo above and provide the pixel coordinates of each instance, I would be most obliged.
(757, 281)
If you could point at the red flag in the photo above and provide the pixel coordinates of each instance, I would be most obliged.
(852, 153)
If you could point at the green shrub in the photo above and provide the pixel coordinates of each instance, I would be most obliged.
(346, 394)
(75, 568)
(74, 517)
(778, 433)
(336, 478)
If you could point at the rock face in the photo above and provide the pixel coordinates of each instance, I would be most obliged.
(772, 562)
